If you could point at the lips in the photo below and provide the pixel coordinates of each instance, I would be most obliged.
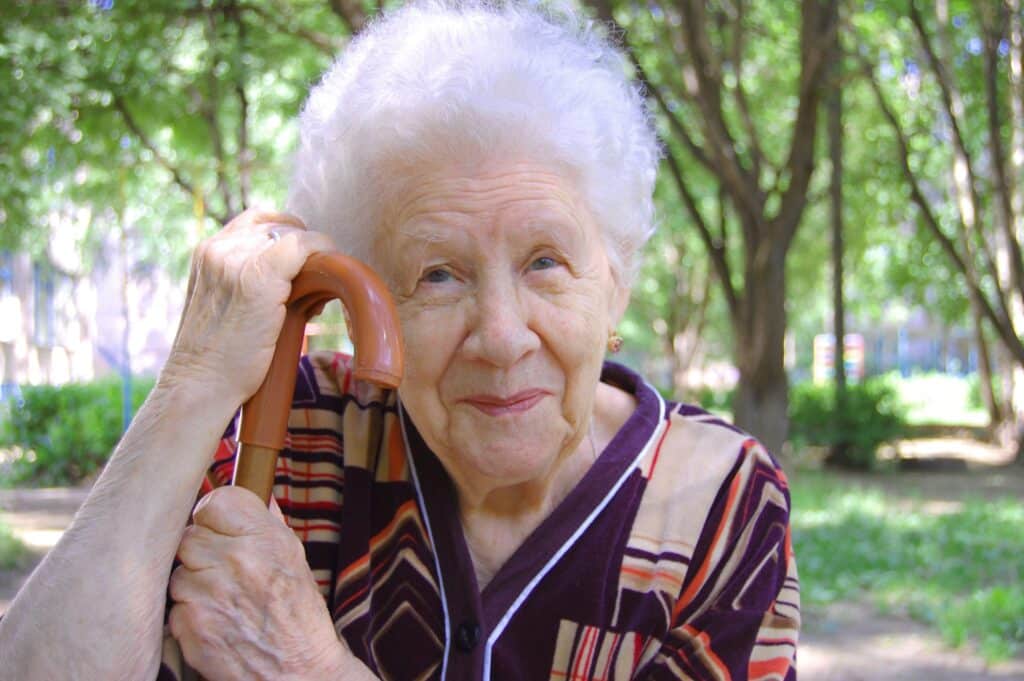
(495, 405)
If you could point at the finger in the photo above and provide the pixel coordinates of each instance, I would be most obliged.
(196, 586)
(287, 255)
(201, 548)
(279, 218)
(232, 511)
(259, 219)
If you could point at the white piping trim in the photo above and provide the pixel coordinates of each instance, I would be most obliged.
(433, 544)
(516, 604)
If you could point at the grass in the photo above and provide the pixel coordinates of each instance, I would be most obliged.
(11, 549)
(939, 398)
(961, 572)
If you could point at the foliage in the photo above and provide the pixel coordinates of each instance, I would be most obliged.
(11, 549)
(717, 401)
(961, 572)
(65, 433)
(150, 114)
(974, 399)
(872, 415)
(741, 172)
(163, 117)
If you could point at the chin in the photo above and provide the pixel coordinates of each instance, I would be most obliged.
(511, 462)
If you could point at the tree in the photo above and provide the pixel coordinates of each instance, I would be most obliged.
(981, 238)
(693, 59)
(183, 108)
(834, 112)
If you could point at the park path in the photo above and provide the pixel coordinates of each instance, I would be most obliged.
(37, 517)
(845, 642)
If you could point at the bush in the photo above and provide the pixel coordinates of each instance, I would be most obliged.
(65, 433)
(11, 550)
(873, 415)
(719, 401)
(974, 399)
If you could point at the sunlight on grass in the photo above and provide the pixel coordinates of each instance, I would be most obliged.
(939, 398)
(962, 572)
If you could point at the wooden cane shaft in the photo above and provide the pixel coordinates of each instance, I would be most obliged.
(254, 469)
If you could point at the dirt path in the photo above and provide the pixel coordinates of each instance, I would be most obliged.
(852, 642)
(38, 517)
(845, 642)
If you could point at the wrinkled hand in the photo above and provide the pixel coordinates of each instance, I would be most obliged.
(246, 604)
(239, 282)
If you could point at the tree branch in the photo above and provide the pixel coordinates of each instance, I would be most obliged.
(351, 13)
(740, 94)
(209, 113)
(604, 12)
(716, 251)
(953, 108)
(243, 153)
(707, 95)
(992, 27)
(161, 159)
(1001, 323)
(320, 41)
(818, 25)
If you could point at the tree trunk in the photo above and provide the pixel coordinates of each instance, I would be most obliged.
(834, 109)
(1016, 169)
(762, 396)
(988, 396)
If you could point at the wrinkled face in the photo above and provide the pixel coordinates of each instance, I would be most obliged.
(506, 300)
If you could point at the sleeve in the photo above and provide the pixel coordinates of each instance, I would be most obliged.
(738, 613)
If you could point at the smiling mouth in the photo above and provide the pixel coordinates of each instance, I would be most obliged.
(493, 405)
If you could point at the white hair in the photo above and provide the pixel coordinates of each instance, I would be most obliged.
(445, 81)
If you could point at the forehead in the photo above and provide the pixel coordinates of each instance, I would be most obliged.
(484, 194)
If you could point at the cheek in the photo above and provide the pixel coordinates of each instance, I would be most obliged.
(424, 345)
(431, 337)
(577, 329)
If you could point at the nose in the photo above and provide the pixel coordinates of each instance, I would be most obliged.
(500, 333)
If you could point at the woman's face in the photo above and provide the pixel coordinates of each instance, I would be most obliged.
(506, 300)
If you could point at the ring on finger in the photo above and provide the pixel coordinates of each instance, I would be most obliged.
(274, 235)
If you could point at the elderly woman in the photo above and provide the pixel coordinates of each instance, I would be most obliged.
(520, 508)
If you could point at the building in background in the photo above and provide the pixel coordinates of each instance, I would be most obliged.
(61, 321)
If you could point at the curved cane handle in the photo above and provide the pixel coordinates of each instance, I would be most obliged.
(378, 356)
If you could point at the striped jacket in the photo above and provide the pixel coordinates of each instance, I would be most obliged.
(670, 560)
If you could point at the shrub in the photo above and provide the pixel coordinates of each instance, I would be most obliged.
(65, 433)
(11, 549)
(873, 415)
(717, 401)
(974, 399)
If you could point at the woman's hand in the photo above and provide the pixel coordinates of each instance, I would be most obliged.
(246, 605)
(238, 285)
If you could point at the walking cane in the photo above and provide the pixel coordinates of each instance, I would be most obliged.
(376, 338)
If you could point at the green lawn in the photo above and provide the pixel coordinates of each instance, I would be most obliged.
(962, 572)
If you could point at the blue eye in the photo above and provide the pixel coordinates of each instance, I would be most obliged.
(544, 263)
(437, 276)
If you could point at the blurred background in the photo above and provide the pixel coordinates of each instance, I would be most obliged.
(834, 169)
